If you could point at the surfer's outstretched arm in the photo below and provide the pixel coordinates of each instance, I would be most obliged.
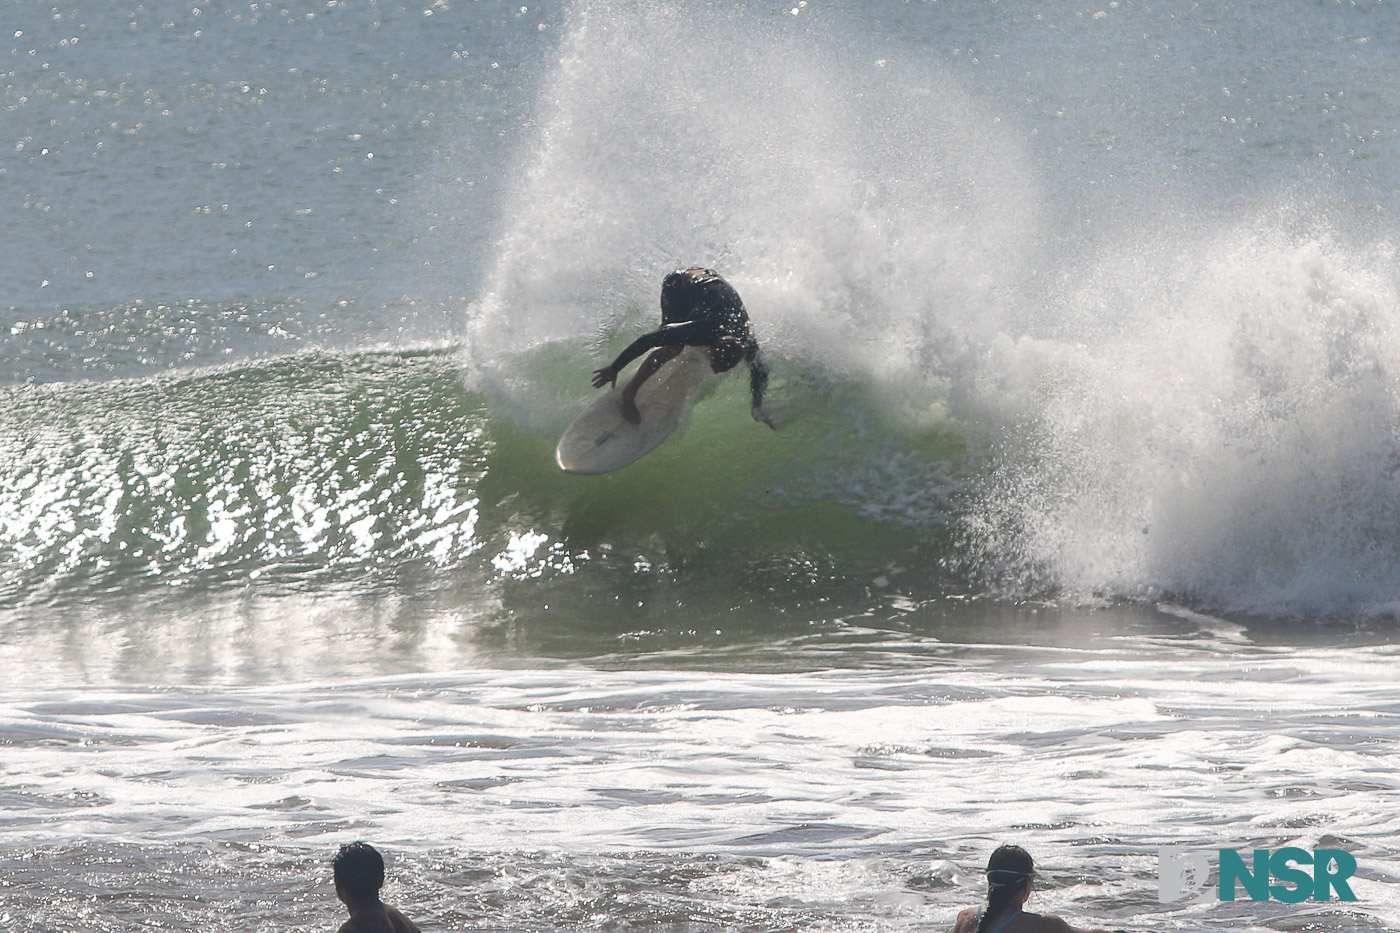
(686, 334)
(758, 384)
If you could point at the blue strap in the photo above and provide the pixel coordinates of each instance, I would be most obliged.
(1001, 926)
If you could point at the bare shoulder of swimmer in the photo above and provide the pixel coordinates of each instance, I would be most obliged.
(400, 923)
(966, 922)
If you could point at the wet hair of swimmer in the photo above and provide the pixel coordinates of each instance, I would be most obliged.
(1008, 871)
(359, 870)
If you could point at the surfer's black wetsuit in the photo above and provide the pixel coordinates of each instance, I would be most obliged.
(698, 309)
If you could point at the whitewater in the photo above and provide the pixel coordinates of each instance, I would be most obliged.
(1081, 528)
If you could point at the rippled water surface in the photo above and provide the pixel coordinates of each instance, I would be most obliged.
(604, 798)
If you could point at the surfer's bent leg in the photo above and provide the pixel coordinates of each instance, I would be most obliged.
(644, 372)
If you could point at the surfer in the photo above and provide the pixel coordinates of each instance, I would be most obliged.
(698, 309)
(1010, 872)
(359, 874)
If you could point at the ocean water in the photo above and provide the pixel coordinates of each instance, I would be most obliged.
(1081, 529)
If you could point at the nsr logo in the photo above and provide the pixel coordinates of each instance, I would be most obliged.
(1330, 870)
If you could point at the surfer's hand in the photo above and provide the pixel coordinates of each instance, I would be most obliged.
(760, 415)
(604, 377)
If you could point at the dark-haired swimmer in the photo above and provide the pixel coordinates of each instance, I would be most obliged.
(1010, 873)
(698, 309)
(359, 874)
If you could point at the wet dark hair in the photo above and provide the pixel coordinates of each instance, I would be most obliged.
(1008, 871)
(359, 870)
(680, 288)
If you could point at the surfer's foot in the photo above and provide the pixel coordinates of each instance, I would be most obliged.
(629, 410)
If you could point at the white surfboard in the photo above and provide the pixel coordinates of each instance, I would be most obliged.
(600, 440)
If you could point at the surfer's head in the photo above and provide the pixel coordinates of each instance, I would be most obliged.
(679, 291)
(359, 872)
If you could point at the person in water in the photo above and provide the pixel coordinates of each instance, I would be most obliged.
(698, 309)
(359, 874)
(1010, 874)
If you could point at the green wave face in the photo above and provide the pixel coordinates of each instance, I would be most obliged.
(382, 482)
(382, 473)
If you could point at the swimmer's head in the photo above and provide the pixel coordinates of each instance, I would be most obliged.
(1009, 869)
(359, 871)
